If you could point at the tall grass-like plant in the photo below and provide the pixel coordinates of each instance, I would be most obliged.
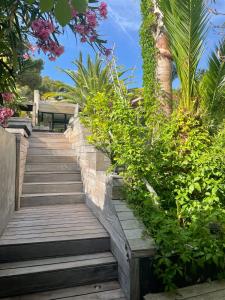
(187, 23)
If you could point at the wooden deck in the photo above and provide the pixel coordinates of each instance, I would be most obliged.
(33, 230)
(100, 291)
(54, 247)
(214, 290)
(50, 223)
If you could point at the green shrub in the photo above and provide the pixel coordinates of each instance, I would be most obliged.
(185, 165)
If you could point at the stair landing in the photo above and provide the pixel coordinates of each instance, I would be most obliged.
(70, 228)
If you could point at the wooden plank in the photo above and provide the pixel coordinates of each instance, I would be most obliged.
(47, 230)
(53, 208)
(67, 247)
(207, 291)
(76, 234)
(107, 295)
(53, 261)
(60, 276)
(70, 292)
(46, 223)
(51, 238)
(131, 224)
(79, 224)
(126, 216)
(53, 198)
(56, 222)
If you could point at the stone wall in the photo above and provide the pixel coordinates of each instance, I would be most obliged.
(103, 196)
(7, 177)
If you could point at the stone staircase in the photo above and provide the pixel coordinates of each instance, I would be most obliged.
(54, 247)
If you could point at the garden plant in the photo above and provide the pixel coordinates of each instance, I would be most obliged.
(169, 147)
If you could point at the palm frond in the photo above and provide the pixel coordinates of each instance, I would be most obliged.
(212, 86)
(186, 22)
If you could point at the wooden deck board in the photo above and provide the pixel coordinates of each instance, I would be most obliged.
(214, 290)
(90, 291)
(41, 224)
(42, 265)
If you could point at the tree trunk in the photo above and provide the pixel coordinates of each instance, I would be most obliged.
(163, 61)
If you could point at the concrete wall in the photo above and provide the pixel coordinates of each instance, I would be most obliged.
(7, 177)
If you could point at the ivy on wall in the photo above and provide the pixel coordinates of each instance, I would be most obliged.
(147, 43)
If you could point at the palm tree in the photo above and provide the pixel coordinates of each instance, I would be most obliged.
(88, 80)
(163, 60)
(186, 22)
(212, 85)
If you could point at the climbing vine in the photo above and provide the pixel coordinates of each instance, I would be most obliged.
(148, 52)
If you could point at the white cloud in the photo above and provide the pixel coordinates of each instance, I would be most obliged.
(125, 14)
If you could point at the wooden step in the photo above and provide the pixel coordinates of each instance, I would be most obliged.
(47, 167)
(51, 231)
(43, 151)
(47, 135)
(50, 159)
(52, 145)
(52, 176)
(62, 272)
(49, 139)
(104, 291)
(48, 187)
(27, 200)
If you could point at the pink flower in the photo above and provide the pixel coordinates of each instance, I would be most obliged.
(83, 39)
(52, 58)
(108, 52)
(103, 10)
(91, 18)
(32, 48)
(42, 29)
(8, 97)
(5, 113)
(26, 56)
(55, 49)
(92, 38)
(80, 28)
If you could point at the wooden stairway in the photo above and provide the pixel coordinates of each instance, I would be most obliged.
(54, 247)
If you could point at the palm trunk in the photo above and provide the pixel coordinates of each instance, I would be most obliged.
(163, 62)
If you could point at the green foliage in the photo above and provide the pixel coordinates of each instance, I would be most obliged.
(212, 85)
(148, 53)
(90, 79)
(186, 22)
(185, 165)
(30, 75)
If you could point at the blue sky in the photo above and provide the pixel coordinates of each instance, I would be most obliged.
(121, 29)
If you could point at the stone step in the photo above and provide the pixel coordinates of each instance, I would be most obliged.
(55, 273)
(52, 176)
(47, 167)
(50, 159)
(28, 200)
(102, 290)
(52, 145)
(48, 187)
(43, 151)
